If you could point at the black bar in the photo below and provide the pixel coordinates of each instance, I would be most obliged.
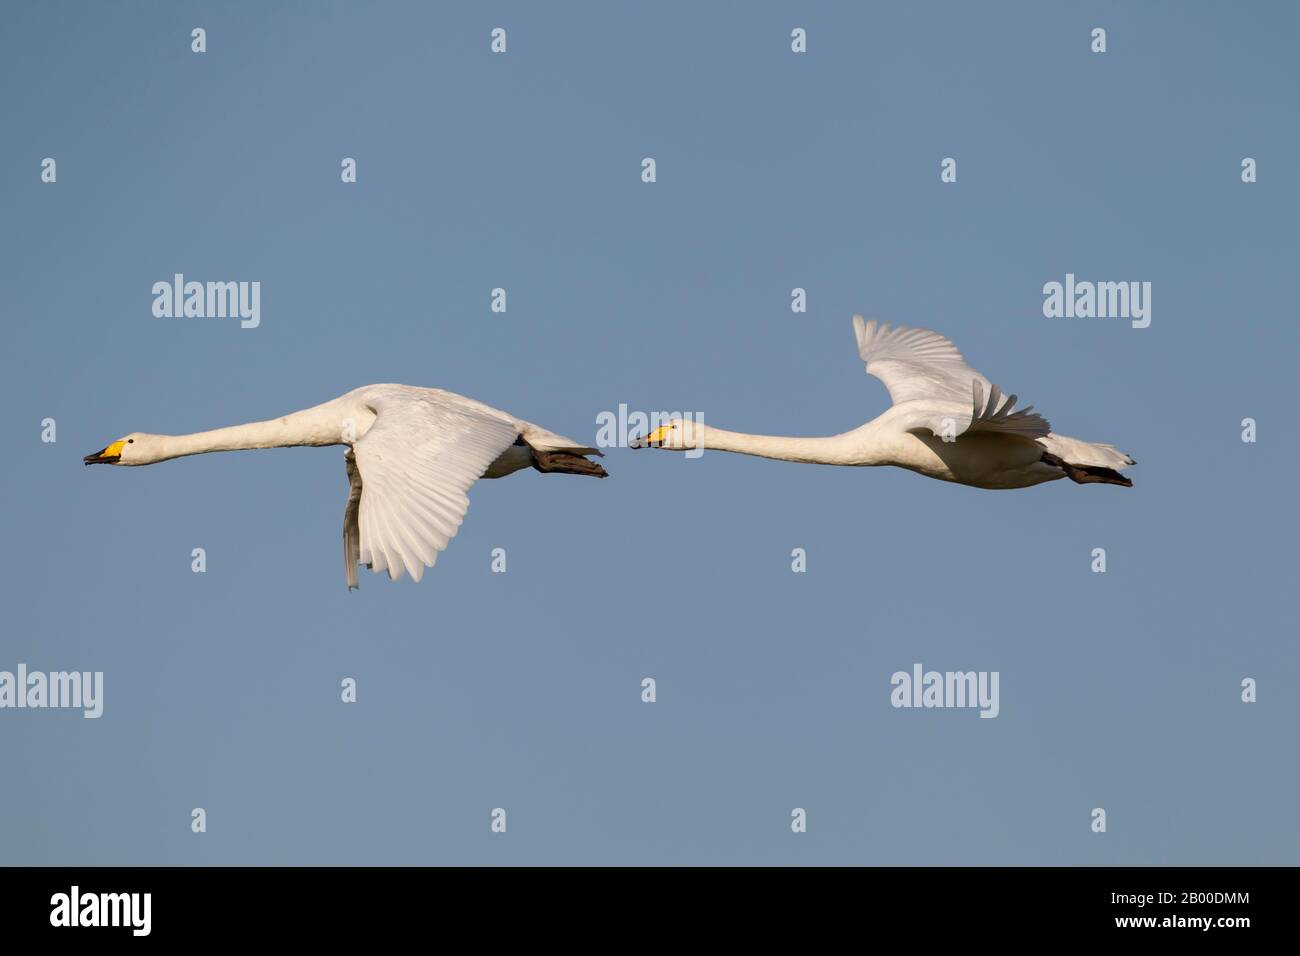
(332, 905)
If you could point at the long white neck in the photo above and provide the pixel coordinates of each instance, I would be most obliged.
(314, 426)
(845, 449)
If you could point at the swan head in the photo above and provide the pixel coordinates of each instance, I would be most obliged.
(679, 434)
(134, 449)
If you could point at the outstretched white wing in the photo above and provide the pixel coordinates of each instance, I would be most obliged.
(416, 464)
(933, 387)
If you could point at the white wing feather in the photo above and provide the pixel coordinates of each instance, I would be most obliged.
(933, 388)
(417, 462)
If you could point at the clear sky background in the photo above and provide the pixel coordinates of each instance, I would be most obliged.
(522, 690)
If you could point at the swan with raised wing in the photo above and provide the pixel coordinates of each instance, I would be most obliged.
(947, 421)
(412, 455)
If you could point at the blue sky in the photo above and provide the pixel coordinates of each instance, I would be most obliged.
(522, 690)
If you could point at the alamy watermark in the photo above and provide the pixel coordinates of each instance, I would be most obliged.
(624, 429)
(61, 689)
(76, 908)
(179, 299)
(922, 688)
(1098, 300)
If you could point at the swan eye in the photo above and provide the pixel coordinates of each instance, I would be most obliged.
(130, 441)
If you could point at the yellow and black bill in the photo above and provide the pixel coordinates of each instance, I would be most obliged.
(106, 456)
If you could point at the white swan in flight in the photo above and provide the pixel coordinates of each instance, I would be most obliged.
(412, 455)
(947, 421)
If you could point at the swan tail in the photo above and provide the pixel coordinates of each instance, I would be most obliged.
(566, 463)
(1086, 462)
(541, 439)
